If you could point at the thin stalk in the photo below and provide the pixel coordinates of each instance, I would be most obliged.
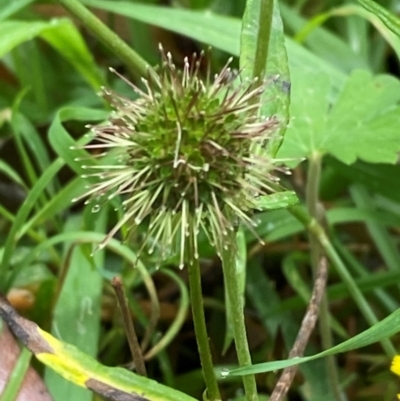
(263, 35)
(131, 336)
(15, 380)
(306, 328)
(312, 199)
(236, 305)
(132, 60)
(317, 230)
(200, 328)
(179, 319)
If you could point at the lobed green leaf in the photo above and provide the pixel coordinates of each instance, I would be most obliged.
(361, 124)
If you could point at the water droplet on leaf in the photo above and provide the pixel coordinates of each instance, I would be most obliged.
(95, 208)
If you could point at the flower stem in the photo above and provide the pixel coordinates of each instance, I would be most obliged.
(312, 198)
(236, 305)
(317, 230)
(200, 328)
(135, 64)
(263, 35)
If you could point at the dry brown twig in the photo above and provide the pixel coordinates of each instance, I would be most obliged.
(129, 327)
(307, 326)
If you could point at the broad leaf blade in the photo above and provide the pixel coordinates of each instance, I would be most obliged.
(77, 312)
(361, 124)
(309, 106)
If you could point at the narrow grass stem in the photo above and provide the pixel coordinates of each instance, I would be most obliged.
(132, 60)
(236, 305)
(317, 230)
(200, 328)
(312, 199)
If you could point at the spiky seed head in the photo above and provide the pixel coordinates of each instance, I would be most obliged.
(184, 156)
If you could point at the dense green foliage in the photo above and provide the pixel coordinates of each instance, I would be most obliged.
(332, 75)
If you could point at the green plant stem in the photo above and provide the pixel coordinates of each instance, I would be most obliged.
(264, 33)
(312, 198)
(14, 381)
(236, 305)
(200, 328)
(132, 60)
(179, 320)
(317, 230)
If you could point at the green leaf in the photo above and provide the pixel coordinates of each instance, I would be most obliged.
(76, 316)
(321, 41)
(384, 329)
(256, 54)
(389, 19)
(78, 367)
(380, 178)
(277, 201)
(275, 225)
(80, 114)
(17, 376)
(10, 7)
(69, 43)
(62, 142)
(8, 171)
(362, 123)
(81, 369)
(59, 202)
(195, 24)
(13, 33)
(356, 10)
(254, 43)
(273, 317)
(218, 31)
(276, 99)
(32, 140)
(61, 34)
(340, 54)
(21, 217)
(384, 242)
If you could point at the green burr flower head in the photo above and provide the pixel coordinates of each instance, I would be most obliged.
(185, 156)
